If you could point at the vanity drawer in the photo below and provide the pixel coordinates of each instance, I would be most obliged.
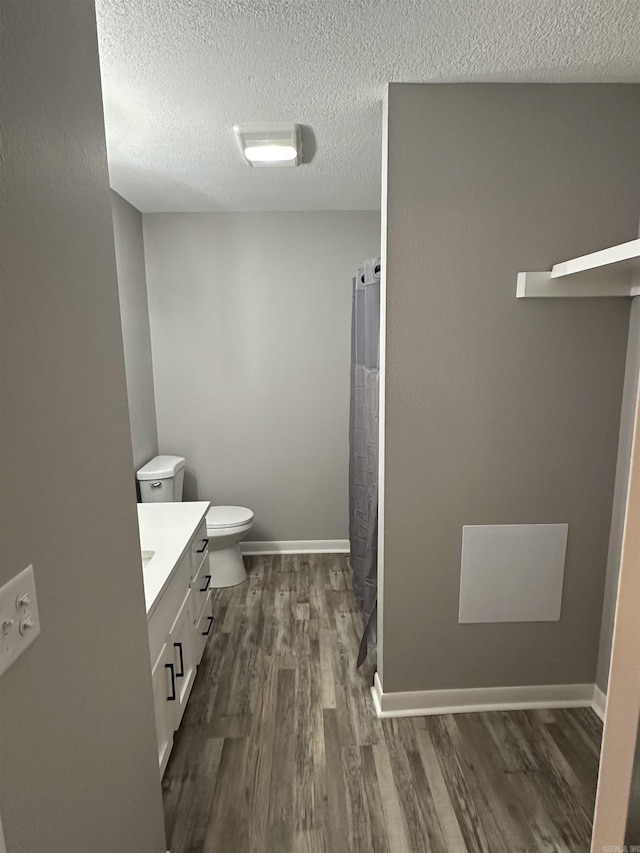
(199, 549)
(203, 625)
(201, 582)
(169, 604)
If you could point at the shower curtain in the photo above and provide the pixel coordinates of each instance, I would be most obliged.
(363, 446)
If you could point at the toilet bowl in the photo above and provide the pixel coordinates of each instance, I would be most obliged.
(226, 528)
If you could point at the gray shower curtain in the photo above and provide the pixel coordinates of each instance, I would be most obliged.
(363, 446)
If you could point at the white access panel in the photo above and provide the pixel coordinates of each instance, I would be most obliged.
(512, 572)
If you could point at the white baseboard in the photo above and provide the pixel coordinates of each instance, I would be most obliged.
(422, 703)
(599, 702)
(297, 546)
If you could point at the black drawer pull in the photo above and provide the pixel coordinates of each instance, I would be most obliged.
(171, 698)
(181, 673)
(204, 547)
(206, 586)
(205, 633)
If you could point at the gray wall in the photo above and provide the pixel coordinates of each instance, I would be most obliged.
(499, 410)
(77, 734)
(620, 495)
(250, 329)
(134, 312)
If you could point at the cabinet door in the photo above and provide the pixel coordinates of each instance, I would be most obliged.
(164, 700)
(180, 643)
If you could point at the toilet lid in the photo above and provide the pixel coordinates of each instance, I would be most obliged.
(228, 516)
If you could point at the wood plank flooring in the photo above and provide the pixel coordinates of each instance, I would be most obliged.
(279, 749)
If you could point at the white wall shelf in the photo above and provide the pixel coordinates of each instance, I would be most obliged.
(610, 272)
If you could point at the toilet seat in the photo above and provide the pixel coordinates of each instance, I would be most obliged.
(220, 517)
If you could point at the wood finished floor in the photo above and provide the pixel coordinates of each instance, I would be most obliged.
(279, 750)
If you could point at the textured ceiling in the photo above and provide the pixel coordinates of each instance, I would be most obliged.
(178, 74)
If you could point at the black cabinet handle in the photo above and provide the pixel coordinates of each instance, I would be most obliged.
(206, 586)
(204, 547)
(171, 698)
(205, 633)
(181, 673)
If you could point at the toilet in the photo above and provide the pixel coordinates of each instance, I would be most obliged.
(226, 528)
(162, 479)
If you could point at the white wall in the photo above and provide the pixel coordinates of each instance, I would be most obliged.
(77, 736)
(250, 331)
(134, 313)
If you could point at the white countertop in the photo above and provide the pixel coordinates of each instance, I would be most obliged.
(166, 528)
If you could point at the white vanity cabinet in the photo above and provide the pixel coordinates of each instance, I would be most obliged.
(178, 608)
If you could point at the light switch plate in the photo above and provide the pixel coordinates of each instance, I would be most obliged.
(19, 618)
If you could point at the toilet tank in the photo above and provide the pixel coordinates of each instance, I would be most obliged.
(161, 479)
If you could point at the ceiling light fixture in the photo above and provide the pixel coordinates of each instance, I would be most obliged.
(270, 144)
